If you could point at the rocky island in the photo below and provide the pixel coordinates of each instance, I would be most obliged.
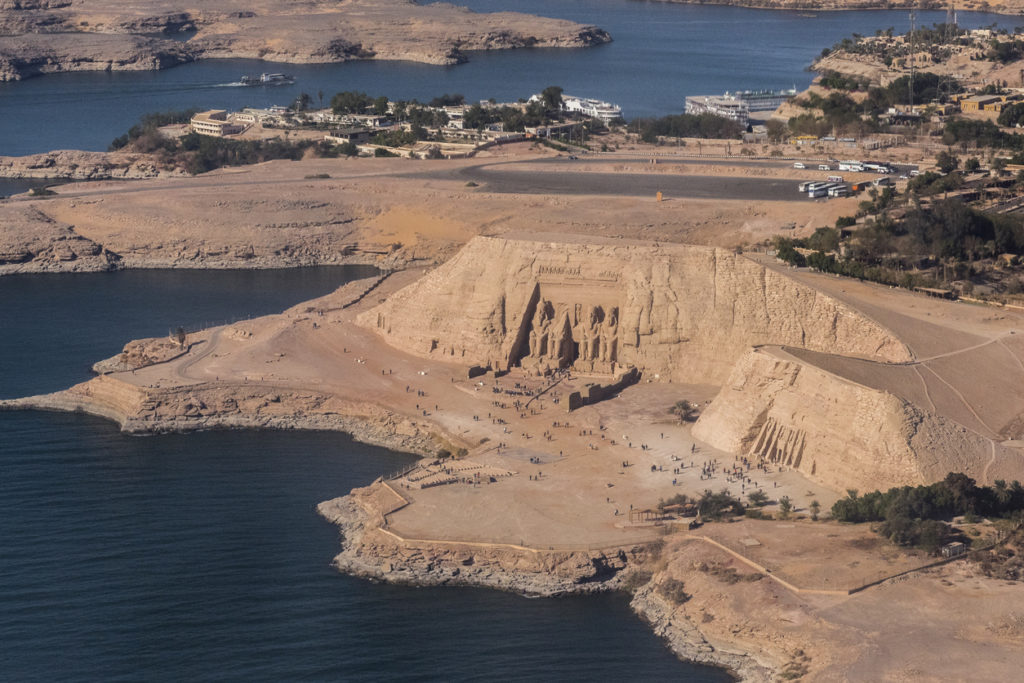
(39, 37)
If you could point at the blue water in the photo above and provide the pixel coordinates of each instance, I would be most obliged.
(661, 53)
(11, 186)
(200, 556)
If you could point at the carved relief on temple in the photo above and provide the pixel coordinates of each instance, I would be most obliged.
(572, 335)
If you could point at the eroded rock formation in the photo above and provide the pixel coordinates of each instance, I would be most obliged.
(38, 37)
(680, 312)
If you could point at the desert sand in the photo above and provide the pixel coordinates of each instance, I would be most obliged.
(392, 211)
(501, 307)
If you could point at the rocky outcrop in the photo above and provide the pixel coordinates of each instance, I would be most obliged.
(149, 410)
(79, 165)
(29, 54)
(141, 353)
(371, 551)
(32, 242)
(41, 36)
(686, 640)
(837, 432)
(678, 312)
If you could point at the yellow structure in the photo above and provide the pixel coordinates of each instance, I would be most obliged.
(978, 102)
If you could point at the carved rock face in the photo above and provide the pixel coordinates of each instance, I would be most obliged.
(681, 312)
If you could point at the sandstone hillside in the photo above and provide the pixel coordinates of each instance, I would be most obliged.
(674, 311)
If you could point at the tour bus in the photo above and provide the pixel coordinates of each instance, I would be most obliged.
(819, 190)
(835, 178)
(851, 166)
(840, 190)
(877, 168)
(803, 187)
(882, 182)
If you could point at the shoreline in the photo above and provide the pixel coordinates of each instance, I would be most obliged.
(365, 553)
(370, 552)
(257, 263)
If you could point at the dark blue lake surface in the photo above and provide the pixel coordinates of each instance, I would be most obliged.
(661, 53)
(200, 556)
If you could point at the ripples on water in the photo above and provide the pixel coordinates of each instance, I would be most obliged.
(201, 557)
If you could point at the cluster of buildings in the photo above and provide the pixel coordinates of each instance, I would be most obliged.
(996, 103)
(359, 128)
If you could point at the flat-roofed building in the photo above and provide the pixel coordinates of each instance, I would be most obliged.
(978, 102)
(214, 122)
(356, 136)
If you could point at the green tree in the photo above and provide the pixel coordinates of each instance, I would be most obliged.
(815, 508)
(757, 497)
(551, 97)
(947, 162)
(824, 239)
(785, 507)
(349, 149)
(350, 102)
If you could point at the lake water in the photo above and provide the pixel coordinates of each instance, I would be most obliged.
(200, 556)
(661, 53)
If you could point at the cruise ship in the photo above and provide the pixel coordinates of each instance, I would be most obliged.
(726, 106)
(591, 108)
(738, 105)
(595, 109)
(763, 100)
(267, 79)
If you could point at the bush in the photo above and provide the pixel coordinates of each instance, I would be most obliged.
(785, 251)
(718, 505)
(673, 591)
(688, 126)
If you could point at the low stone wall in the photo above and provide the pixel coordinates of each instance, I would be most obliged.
(600, 392)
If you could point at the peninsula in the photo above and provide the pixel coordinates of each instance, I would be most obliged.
(540, 361)
(805, 476)
(39, 37)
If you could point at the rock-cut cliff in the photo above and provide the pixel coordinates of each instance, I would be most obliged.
(682, 312)
(835, 431)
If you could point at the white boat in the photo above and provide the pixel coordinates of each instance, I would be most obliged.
(267, 79)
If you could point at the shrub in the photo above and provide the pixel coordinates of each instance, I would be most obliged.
(672, 590)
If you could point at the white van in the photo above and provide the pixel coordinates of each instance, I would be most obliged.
(798, 165)
(824, 167)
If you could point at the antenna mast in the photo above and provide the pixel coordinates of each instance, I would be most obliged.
(910, 83)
